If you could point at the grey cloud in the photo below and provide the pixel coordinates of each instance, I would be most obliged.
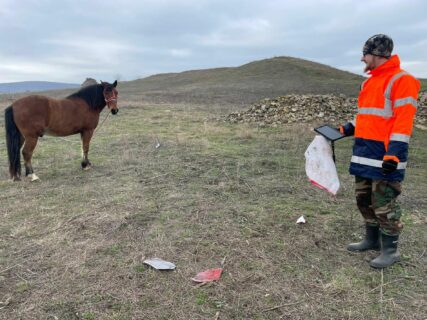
(70, 40)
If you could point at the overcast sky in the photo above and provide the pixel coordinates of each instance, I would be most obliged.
(69, 40)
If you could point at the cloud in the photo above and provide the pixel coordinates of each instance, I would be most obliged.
(238, 33)
(71, 39)
(180, 53)
(89, 50)
(29, 70)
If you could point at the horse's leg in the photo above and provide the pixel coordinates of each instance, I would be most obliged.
(86, 136)
(27, 152)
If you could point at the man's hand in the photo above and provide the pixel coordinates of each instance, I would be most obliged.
(389, 166)
(340, 129)
(346, 130)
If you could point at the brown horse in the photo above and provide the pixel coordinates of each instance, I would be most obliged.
(31, 117)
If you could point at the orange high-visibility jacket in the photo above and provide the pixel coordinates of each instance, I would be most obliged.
(386, 108)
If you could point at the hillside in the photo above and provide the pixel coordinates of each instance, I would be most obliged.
(246, 83)
(423, 84)
(243, 85)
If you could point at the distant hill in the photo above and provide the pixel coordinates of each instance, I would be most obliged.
(241, 85)
(30, 86)
(247, 83)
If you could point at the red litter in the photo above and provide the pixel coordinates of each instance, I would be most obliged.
(208, 275)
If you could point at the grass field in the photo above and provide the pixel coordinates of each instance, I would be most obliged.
(213, 194)
(423, 84)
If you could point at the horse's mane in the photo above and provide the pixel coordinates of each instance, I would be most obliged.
(92, 95)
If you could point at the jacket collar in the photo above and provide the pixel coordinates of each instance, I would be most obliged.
(392, 63)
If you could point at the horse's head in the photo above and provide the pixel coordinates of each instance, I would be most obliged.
(110, 96)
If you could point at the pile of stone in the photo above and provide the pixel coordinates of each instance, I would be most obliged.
(309, 108)
(421, 116)
(89, 82)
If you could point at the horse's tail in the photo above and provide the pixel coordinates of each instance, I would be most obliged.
(13, 141)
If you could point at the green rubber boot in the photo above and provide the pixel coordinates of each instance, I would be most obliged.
(389, 252)
(371, 241)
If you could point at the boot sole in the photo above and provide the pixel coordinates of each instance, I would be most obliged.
(363, 250)
(383, 266)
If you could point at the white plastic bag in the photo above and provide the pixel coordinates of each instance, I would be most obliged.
(320, 166)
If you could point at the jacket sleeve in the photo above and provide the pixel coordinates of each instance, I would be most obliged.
(404, 100)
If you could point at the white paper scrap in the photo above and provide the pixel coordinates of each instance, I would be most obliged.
(160, 264)
(301, 220)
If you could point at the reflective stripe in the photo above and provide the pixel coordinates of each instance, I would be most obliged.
(387, 93)
(367, 161)
(404, 101)
(386, 113)
(388, 105)
(374, 163)
(399, 137)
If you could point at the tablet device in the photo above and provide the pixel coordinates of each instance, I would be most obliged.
(330, 133)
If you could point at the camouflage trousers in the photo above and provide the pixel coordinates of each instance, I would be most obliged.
(376, 200)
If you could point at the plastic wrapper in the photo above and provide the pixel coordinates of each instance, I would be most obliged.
(320, 166)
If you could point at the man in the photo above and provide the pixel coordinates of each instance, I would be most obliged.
(386, 107)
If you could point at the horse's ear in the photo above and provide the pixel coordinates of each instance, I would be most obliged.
(115, 84)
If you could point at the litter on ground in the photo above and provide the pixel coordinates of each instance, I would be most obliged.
(301, 220)
(159, 264)
(208, 275)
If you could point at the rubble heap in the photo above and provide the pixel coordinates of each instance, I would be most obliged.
(89, 82)
(310, 108)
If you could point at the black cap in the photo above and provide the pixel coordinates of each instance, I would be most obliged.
(378, 45)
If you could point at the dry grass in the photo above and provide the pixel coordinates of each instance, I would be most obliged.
(72, 245)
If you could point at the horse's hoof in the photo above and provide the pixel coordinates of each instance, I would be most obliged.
(33, 177)
(87, 167)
